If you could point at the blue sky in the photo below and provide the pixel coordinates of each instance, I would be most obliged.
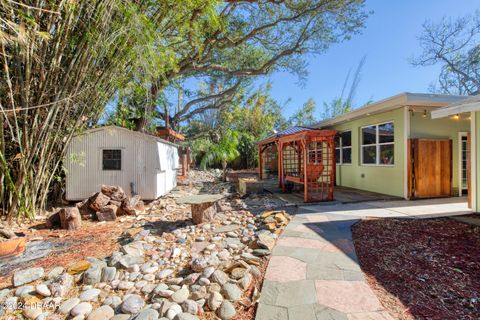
(389, 40)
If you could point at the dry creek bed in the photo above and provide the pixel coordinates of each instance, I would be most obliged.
(165, 268)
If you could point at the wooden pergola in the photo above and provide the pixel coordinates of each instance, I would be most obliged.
(306, 158)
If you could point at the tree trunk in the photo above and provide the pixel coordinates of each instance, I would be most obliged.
(224, 166)
(70, 218)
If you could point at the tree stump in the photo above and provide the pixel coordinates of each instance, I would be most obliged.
(70, 218)
(204, 206)
(203, 212)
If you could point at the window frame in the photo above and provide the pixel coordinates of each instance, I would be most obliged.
(102, 158)
(377, 145)
(341, 147)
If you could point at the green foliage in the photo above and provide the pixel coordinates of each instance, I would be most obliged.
(253, 115)
(305, 116)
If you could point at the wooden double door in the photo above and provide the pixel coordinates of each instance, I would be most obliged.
(430, 168)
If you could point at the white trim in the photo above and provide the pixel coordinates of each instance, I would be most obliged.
(462, 108)
(460, 150)
(392, 103)
(473, 161)
(406, 136)
(341, 147)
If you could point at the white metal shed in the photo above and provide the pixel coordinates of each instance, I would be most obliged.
(140, 163)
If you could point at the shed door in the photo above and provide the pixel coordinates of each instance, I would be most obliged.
(432, 168)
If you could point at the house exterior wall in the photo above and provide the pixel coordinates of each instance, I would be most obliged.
(376, 178)
(142, 162)
(443, 128)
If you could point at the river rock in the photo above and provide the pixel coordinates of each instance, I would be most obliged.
(190, 306)
(219, 277)
(173, 310)
(32, 312)
(147, 314)
(226, 310)
(92, 275)
(27, 275)
(108, 274)
(132, 304)
(68, 305)
(62, 285)
(164, 274)
(81, 309)
(215, 300)
(43, 290)
(89, 295)
(180, 295)
(232, 292)
(185, 316)
(101, 313)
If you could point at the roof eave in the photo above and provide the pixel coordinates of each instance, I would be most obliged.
(449, 111)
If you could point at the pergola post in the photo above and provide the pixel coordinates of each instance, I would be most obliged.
(280, 176)
(260, 162)
(305, 173)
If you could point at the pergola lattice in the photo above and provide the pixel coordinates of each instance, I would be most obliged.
(306, 158)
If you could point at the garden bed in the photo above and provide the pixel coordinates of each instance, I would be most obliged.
(422, 269)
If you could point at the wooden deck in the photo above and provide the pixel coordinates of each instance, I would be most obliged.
(340, 194)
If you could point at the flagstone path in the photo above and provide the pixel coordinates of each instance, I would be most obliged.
(313, 273)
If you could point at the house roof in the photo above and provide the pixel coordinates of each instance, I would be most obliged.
(465, 105)
(132, 132)
(289, 130)
(392, 103)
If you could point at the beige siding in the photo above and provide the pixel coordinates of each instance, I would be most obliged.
(144, 158)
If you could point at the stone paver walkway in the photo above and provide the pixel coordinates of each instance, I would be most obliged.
(313, 273)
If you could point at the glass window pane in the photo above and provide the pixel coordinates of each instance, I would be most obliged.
(369, 135)
(337, 155)
(386, 154)
(385, 132)
(347, 139)
(112, 159)
(337, 141)
(369, 154)
(347, 155)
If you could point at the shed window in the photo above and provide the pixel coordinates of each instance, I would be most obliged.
(378, 144)
(343, 148)
(112, 159)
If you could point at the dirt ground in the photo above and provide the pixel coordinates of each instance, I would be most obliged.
(422, 269)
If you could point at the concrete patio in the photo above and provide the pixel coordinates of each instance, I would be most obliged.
(314, 273)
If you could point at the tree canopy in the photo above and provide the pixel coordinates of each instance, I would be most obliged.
(454, 44)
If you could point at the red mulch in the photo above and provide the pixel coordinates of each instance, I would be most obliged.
(422, 269)
(92, 240)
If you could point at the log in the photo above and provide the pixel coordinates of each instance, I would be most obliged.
(98, 201)
(133, 205)
(70, 218)
(203, 212)
(203, 206)
(115, 193)
(107, 213)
